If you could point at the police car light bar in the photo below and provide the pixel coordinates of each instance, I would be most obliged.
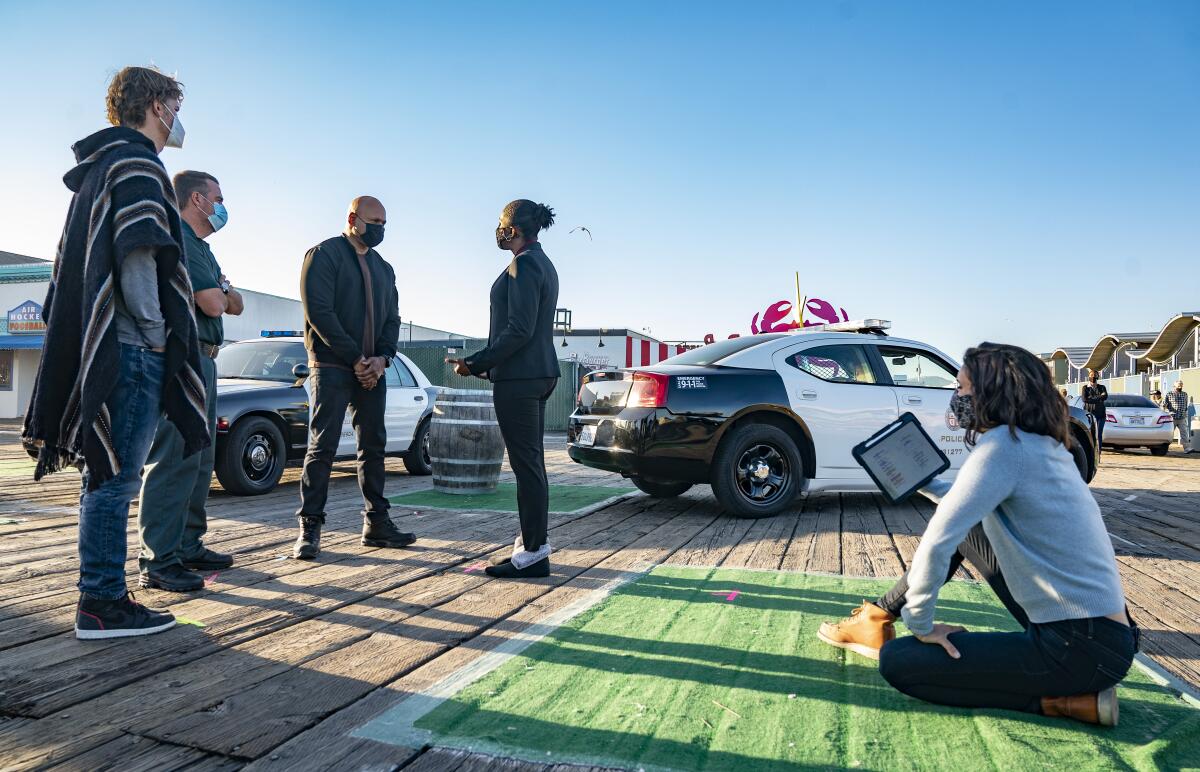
(282, 334)
(858, 325)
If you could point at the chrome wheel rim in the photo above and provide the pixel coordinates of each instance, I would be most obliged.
(258, 458)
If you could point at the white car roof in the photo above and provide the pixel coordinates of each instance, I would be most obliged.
(761, 357)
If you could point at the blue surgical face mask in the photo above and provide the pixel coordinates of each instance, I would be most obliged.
(219, 216)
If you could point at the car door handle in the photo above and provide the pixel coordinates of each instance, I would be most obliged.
(911, 400)
(808, 394)
(418, 399)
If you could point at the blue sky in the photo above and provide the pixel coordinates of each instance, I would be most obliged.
(1017, 172)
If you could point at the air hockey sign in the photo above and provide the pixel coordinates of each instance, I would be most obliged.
(26, 319)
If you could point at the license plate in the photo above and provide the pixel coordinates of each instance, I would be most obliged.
(587, 436)
(1137, 420)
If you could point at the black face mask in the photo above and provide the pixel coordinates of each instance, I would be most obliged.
(374, 235)
(963, 408)
(504, 234)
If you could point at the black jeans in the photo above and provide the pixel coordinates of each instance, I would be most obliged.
(976, 550)
(521, 413)
(1012, 670)
(332, 391)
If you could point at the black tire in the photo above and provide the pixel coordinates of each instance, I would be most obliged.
(1159, 450)
(251, 459)
(1081, 460)
(743, 456)
(417, 460)
(661, 489)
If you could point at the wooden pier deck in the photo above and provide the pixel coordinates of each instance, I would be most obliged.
(295, 655)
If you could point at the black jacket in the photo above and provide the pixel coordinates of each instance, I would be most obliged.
(1094, 398)
(521, 333)
(335, 308)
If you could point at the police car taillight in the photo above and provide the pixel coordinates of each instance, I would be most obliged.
(649, 390)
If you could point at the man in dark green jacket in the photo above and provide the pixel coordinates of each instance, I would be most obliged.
(351, 329)
(172, 515)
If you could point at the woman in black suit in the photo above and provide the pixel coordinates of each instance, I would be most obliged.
(521, 362)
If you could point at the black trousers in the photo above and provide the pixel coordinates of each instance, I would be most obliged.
(333, 391)
(521, 413)
(1006, 670)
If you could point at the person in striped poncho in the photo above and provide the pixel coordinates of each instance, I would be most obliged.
(121, 346)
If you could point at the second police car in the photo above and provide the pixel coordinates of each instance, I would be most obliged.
(763, 418)
(263, 412)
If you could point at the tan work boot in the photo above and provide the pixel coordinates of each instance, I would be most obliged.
(863, 632)
(1100, 708)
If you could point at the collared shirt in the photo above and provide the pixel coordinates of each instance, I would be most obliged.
(1176, 403)
(205, 274)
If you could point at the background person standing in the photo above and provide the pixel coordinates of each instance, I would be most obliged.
(1095, 396)
(351, 330)
(1176, 403)
(521, 362)
(172, 518)
(119, 323)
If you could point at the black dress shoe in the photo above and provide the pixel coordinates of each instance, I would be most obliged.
(380, 531)
(173, 578)
(208, 560)
(308, 543)
(510, 571)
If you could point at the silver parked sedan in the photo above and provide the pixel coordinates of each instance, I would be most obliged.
(1134, 421)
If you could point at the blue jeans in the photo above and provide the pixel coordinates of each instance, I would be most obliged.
(134, 407)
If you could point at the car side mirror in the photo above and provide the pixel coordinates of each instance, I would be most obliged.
(301, 372)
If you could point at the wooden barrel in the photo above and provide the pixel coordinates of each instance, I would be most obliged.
(464, 442)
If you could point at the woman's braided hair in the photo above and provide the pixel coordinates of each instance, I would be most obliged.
(1013, 388)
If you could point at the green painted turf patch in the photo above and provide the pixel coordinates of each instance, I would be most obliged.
(675, 671)
(563, 498)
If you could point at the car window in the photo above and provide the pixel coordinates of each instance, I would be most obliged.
(911, 367)
(715, 352)
(269, 360)
(1128, 400)
(839, 364)
(402, 377)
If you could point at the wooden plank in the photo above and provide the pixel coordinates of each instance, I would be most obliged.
(130, 753)
(825, 552)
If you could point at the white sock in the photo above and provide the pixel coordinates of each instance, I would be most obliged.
(523, 558)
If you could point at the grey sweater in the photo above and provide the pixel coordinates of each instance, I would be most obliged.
(1042, 522)
(139, 315)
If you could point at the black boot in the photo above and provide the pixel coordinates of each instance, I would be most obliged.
(172, 578)
(380, 531)
(510, 571)
(308, 543)
(208, 560)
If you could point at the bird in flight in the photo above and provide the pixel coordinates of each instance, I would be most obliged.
(581, 228)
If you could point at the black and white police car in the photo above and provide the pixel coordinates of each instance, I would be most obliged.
(765, 417)
(263, 412)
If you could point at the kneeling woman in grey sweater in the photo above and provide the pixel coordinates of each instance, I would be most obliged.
(1050, 545)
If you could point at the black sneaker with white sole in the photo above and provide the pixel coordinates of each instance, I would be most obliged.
(96, 618)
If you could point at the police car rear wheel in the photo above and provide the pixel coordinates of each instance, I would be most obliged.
(661, 489)
(757, 471)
